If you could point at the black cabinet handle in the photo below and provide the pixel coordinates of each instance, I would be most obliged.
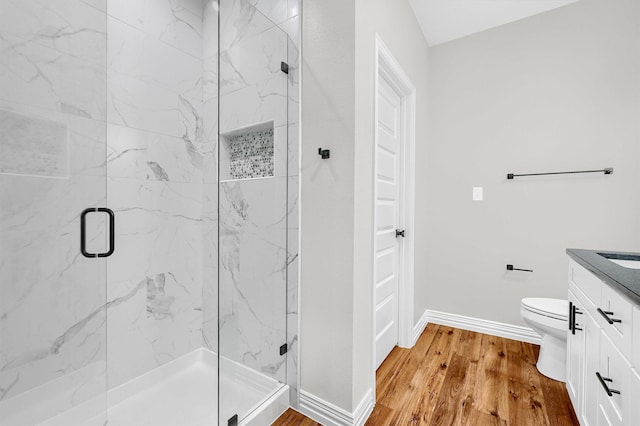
(83, 231)
(603, 382)
(606, 314)
(571, 317)
(573, 310)
(399, 233)
(576, 311)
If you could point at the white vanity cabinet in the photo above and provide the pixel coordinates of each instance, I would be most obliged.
(576, 349)
(603, 355)
(583, 355)
(635, 390)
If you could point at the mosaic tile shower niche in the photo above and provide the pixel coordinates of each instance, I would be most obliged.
(247, 153)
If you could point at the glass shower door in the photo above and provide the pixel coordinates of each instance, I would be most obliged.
(252, 165)
(52, 167)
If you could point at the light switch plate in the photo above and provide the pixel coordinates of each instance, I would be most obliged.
(478, 193)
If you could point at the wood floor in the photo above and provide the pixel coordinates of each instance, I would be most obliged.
(458, 377)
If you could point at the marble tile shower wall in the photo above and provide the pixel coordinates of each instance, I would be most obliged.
(160, 126)
(155, 172)
(56, 62)
(52, 139)
(258, 254)
(210, 178)
(293, 220)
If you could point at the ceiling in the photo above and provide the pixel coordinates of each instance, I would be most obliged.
(446, 20)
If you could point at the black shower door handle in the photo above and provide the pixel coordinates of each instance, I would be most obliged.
(83, 231)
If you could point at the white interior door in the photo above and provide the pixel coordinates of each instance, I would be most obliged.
(387, 219)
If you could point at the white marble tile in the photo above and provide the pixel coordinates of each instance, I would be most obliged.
(210, 225)
(152, 320)
(51, 298)
(137, 54)
(253, 262)
(191, 117)
(158, 227)
(275, 10)
(210, 262)
(210, 120)
(49, 398)
(293, 56)
(33, 146)
(252, 60)
(239, 19)
(98, 4)
(142, 155)
(85, 139)
(293, 211)
(68, 26)
(293, 356)
(69, 393)
(163, 290)
(294, 150)
(293, 107)
(255, 203)
(210, 79)
(292, 27)
(153, 86)
(280, 148)
(134, 103)
(175, 22)
(210, 162)
(210, 308)
(77, 368)
(252, 281)
(210, 52)
(293, 8)
(260, 103)
(39, 76)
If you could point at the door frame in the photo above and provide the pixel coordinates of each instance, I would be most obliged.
(387, 67)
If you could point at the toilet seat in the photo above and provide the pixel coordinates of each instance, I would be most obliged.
(552, 308)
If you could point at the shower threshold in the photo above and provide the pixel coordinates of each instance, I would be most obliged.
(185, 392)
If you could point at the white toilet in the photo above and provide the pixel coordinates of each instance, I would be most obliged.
(549, 318)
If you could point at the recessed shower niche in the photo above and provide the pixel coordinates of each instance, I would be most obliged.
(247, 153)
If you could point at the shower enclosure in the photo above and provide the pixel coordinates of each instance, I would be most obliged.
(148, 211)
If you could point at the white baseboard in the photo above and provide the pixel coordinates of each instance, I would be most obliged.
(364, 409)
(418, 329)
(331, 415)
(508, 331)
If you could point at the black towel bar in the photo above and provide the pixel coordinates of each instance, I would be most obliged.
(607, 171)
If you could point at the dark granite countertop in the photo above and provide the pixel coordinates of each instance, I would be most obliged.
(625, 280)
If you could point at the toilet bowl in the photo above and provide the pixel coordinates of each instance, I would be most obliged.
(549, 318)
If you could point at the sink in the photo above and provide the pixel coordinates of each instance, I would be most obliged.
(631, 261)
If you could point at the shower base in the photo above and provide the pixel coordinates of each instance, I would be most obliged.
(185, 392)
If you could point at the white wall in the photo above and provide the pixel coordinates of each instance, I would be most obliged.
(558, 91)
(396, 25)
(337, 197)
(326, 297)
